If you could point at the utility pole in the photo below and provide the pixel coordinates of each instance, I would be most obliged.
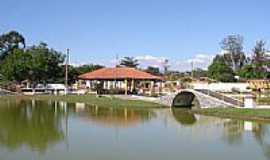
(116, 65)
(165, 66)
(117, 60)
(192, 69)
(66, 74)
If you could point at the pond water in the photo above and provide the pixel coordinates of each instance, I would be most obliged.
(47, 130)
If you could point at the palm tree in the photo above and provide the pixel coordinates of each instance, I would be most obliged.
(129, 62)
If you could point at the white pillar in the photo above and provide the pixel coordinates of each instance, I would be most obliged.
(250, 102)
(109, 84)
(152, 88)
(104, 84)
(88, 84)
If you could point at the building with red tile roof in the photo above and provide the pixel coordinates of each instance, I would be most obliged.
(119, 73)
(128, 79)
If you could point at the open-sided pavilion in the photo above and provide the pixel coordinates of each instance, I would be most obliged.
(129, 80)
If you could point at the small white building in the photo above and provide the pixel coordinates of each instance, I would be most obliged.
(56, 88)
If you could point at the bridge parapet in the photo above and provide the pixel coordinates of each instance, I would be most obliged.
(168, 99)
(205, 100)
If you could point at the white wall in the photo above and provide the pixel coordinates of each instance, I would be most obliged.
(222, 87)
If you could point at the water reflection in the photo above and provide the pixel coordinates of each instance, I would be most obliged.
(88, 130)
(114, 117)
(262, 135)
(233, 131)
(183, 116)
(40, 124)
(22, 123)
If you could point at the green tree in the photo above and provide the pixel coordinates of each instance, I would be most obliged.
(10, 41)
(129, 62)
(88, 68)
(234, 56)
(220, 71)
(248, 71)
(74, 72)
(46, 63)
(259, 66)
(153, 70)
(38, 64)
(260, 59)
(16, 66)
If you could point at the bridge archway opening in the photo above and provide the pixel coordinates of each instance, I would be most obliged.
(185, 99)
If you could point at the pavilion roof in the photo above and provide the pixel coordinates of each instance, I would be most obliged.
(118, 73)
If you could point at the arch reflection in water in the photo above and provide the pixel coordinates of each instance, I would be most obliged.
(183, 116)
(22, 123)
(114, 116)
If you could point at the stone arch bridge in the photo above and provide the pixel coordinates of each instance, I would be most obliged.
(205, 98)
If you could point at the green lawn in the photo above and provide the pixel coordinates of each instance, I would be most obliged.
(238, 113)
(93, 100)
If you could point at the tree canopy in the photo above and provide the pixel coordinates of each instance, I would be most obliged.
(255, 66)
(260, 59)
(153, 70)
(220, 71)
(37, 63)
(74, 72)
(248, 71)
(88, 68)
(259, 64)
(10, 41)
(234, 56)
(129, 62)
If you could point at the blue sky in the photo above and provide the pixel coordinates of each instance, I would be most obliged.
(151, 30)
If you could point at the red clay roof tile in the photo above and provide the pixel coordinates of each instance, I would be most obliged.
(118, 73)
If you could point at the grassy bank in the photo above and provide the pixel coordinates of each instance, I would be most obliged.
(92, 99)
(236, 113)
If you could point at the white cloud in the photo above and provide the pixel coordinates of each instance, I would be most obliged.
(77, 64)
(149, 60)
(175, 63)
(199, 61)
